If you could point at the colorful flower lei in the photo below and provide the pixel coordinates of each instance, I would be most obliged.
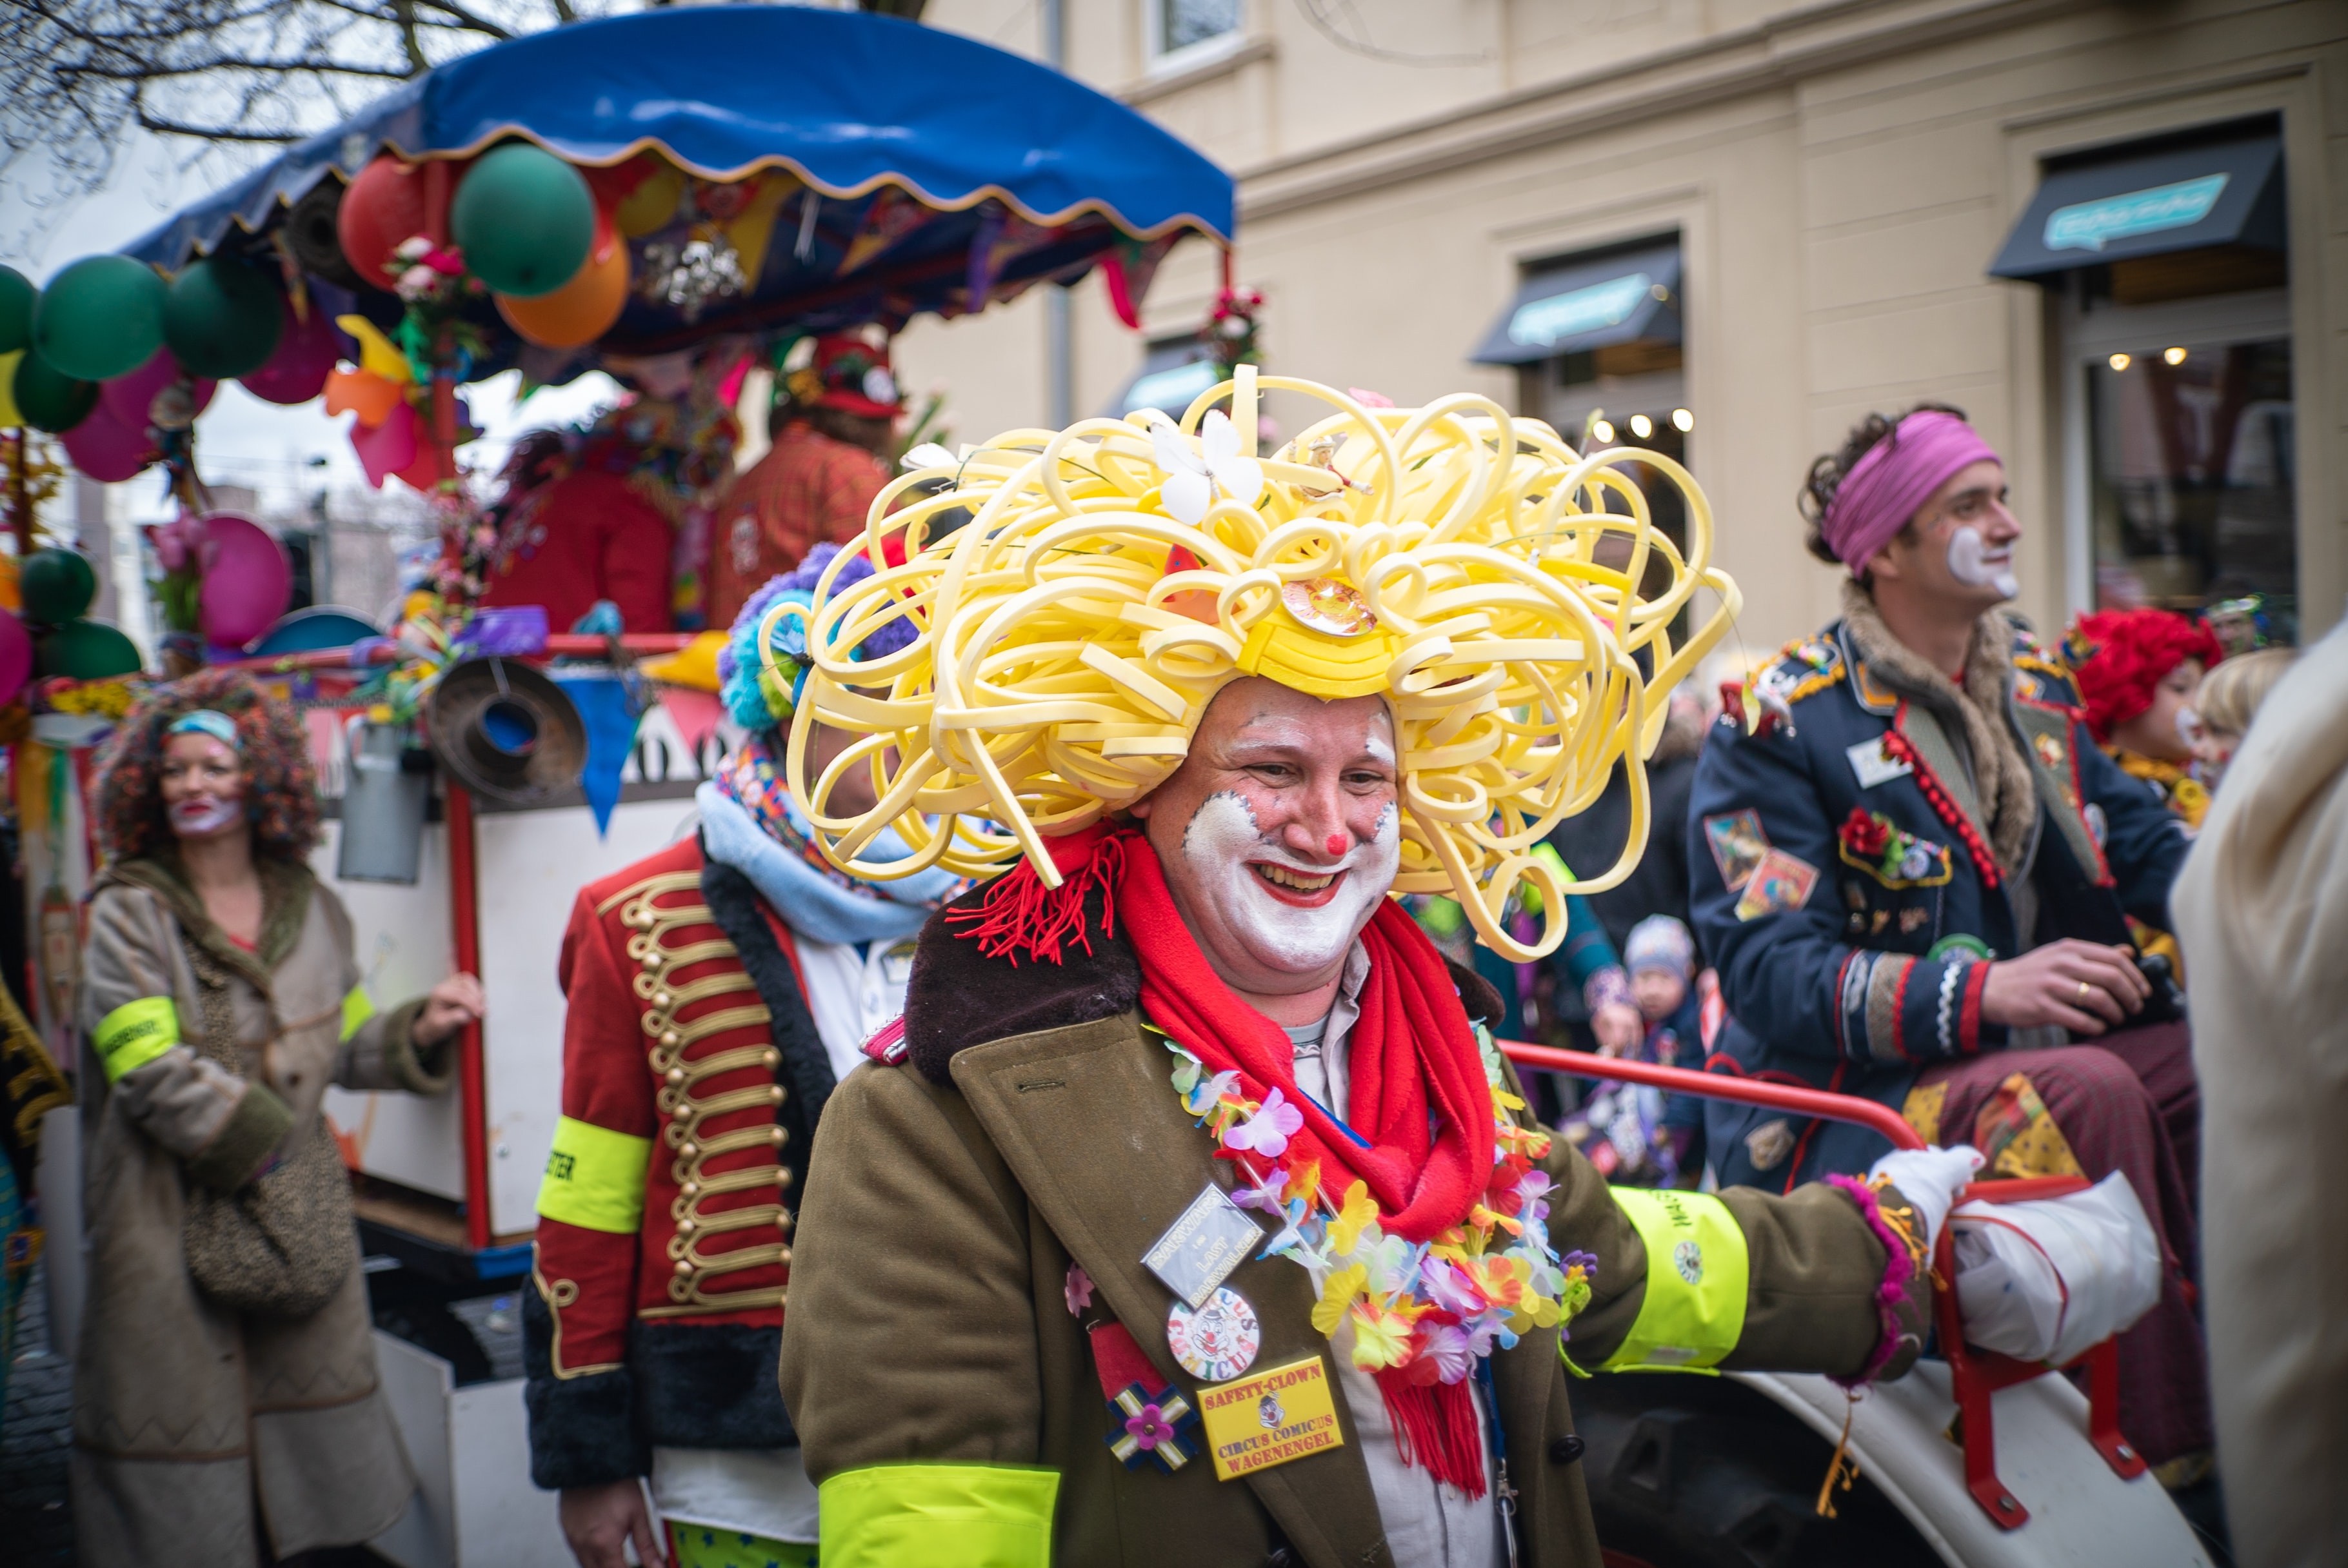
(1432, 1309)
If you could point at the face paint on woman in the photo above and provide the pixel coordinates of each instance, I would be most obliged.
(199, 816)
(1970, 562)
(1309, 923)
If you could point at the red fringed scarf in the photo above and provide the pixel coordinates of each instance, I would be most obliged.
(1417, 1092)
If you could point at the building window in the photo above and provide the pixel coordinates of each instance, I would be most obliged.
(2193, 479)
(1176, 25)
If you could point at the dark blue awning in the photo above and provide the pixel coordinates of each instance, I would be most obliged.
(934, 173)
(2179, 198)
(1587, 305)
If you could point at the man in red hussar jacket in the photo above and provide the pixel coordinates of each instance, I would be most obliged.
(717, 991)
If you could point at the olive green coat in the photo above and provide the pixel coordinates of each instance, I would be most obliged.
(190, 1423)
(926, 1318)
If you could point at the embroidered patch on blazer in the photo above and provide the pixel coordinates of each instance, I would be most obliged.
(1893, 856)
(1873, 765)
(1769, 1144)
(1738, 845)
(1781, 882)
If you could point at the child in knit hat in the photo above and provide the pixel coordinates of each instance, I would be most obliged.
(1629, 1131)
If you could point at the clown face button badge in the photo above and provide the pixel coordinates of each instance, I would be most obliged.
(1218, 1341)
(1327, 605)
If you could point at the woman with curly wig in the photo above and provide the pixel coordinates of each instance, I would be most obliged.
(226, 1405)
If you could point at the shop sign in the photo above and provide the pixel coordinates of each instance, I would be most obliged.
(1547, 322)
(2088, 225)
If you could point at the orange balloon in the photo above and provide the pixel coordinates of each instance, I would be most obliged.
(583, 309)
(373, 397)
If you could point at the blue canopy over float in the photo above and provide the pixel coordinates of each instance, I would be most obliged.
(924, 172)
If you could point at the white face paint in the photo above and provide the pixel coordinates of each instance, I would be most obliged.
(199, 816)
(1221, 843)
(1971, 561)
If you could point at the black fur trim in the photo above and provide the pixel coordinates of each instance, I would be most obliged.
(956, 999)
(583, 1430)
(805, 1070)
(709, 1384)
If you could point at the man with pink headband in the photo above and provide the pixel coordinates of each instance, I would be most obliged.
(1914, 869)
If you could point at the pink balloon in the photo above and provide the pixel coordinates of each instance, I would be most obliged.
(106, 449)
(247, 580)
(130, 398)
(15, 657)
(306, 352)
(389, 447)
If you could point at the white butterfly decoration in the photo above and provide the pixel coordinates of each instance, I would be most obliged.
(1191, 478)
(928, 455)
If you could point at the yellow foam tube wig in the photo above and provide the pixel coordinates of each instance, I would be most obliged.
(1469, 565)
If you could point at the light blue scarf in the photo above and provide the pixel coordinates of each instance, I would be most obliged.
(811, 903)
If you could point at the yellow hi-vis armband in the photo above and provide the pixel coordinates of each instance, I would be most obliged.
(1697, 1269)
(594, 1178)
(941, 1516)
(357, 1008)
(135, 1034)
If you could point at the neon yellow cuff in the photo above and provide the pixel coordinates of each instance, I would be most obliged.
(594, 1178)
(941, 1516)
(1697, 1272)
(357, 1008)
(135, 1034)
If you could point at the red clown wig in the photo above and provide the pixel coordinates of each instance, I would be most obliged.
(2121, 656)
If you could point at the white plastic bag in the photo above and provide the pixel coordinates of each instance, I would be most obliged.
(2045, 1280)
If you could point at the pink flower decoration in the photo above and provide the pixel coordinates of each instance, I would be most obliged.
(1078, 1290)
(1149, 1429)
(1534, 1189)
(1369, 400)
(1269, 1130)
(1449, 1348)
(1265, 1194)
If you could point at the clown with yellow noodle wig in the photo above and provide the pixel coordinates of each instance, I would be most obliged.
(1468, 567)
(1191, 1162)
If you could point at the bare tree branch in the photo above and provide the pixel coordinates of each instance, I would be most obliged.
(226, 79)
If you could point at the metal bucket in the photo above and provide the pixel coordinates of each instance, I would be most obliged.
(388, 785)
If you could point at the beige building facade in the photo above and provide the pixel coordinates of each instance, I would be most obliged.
(1828, 186)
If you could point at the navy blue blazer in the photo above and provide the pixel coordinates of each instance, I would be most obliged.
(1840, 880)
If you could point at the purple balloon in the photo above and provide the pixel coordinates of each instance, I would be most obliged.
(306, 352)
(247, 580)
(106, 449)
(15, 657)
(130, 399)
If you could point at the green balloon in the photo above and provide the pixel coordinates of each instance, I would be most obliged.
(55, 586)
(99, 318)
(85, 651)
(17, 297)
(222, 319)
(48, 398)
(524, 220)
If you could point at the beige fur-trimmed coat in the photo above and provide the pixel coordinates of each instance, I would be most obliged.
(194, 1426)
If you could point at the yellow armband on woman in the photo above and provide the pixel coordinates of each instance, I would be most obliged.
(135, 1034)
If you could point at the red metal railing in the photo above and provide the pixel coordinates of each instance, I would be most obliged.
(1975, 1374)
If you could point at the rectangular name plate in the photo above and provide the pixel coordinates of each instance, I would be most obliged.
(1200, 1249)
(1269, 1418)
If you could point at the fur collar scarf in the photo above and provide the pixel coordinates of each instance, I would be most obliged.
(285, 889)
(2002, 776)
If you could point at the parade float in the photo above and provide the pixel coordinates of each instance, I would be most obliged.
(675, 199)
